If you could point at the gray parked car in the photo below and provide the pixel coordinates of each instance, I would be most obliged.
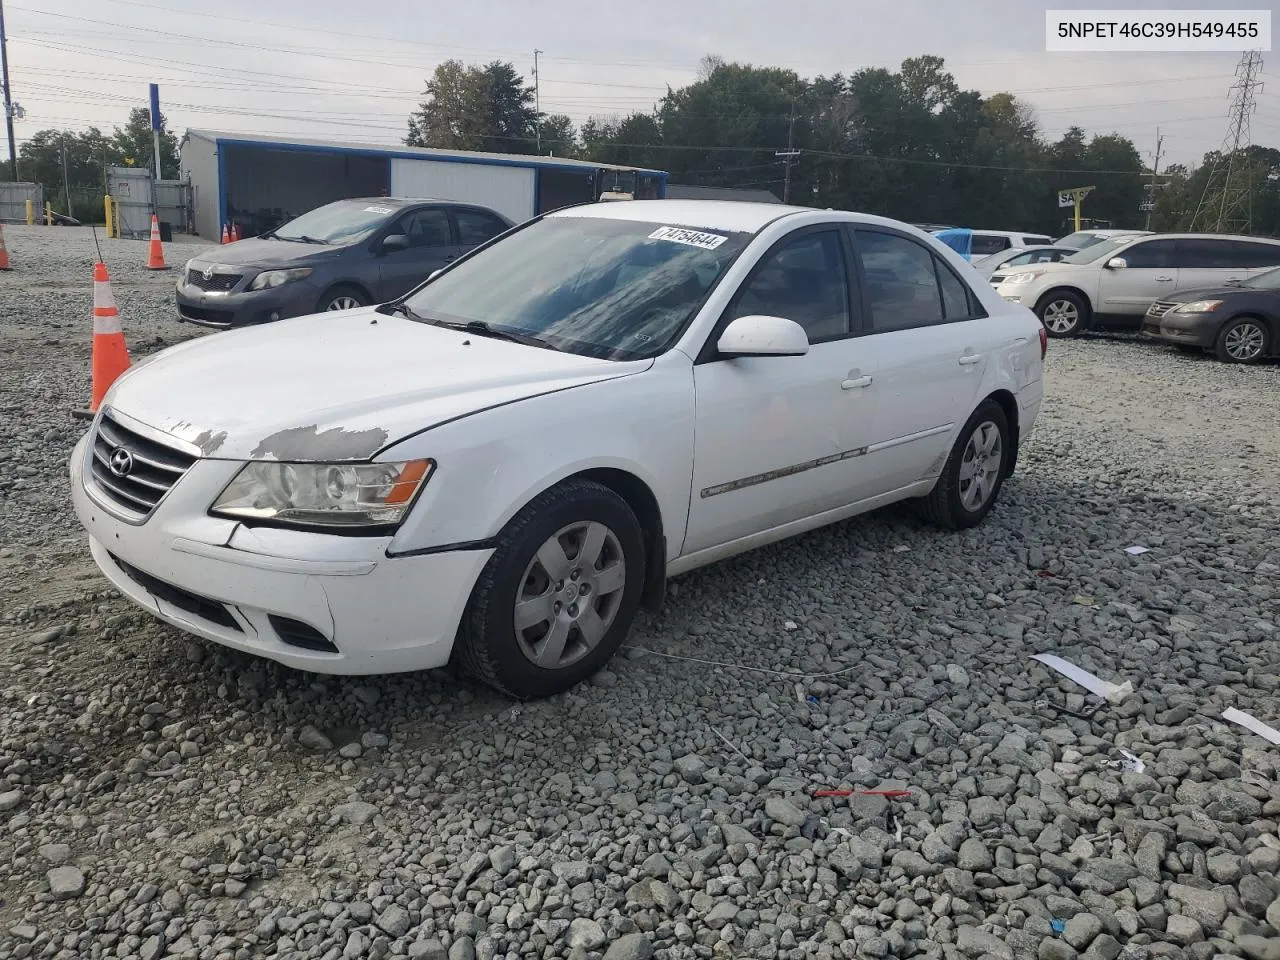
(346, 254)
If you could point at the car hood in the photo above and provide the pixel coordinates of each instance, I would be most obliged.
(256, 252)
(336, 386)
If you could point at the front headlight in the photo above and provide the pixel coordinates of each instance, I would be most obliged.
(276, 278)
(1022, 277)
(324, 494)
(1198, 306)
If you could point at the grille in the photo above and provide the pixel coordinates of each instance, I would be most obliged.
(193, 603)
(1160, 308)
(153, 467)
(219, 282)
(205, 315)
(299, 634)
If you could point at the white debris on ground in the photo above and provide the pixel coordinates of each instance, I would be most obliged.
(163, 797)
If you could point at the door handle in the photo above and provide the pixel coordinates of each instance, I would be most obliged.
(969, 359)
(1163, 279)
(854, 383)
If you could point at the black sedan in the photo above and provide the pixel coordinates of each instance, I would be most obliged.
(346, 254)
(1240, 323)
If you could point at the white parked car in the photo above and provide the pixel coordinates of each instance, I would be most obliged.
(1112, 283)
(1007, 260)
(499, 467)
(1087, 238)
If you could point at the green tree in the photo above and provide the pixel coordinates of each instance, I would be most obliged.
(475, 108)
(87, 154)
(559, 136)
(133, 144)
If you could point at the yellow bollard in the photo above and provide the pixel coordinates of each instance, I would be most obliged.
(48, 214)
(31, 212)
(106, 204)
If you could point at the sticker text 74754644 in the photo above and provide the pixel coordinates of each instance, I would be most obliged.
(694, 238)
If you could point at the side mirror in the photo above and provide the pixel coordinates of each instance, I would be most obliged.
(395, 241)
(761, 336)
(1117, 263)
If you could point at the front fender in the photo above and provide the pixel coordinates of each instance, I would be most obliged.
(490, 464)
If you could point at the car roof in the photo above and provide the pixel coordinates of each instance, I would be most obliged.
(409, 201)
(1210, 236)
(736, 216)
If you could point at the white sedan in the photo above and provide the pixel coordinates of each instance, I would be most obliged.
(500, 467)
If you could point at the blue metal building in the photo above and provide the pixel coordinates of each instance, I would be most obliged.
(259, 182)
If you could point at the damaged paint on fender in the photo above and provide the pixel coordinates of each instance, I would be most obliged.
(309, 444)
(208, 441)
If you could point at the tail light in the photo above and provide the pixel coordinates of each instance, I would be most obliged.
(1044, 342)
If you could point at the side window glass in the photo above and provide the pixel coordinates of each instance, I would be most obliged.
(802, 280)
(474, 227)
(1020, 259)
(425, 228)
(902, 287)
(1261, 255)
(1154, 254)
(955, 298)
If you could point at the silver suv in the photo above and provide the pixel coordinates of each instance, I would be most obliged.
(1112, 283)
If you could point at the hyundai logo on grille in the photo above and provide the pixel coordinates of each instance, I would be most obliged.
(121, 462)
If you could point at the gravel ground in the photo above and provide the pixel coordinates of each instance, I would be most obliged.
(162, 797)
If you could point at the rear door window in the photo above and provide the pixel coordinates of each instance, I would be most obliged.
(985, 243)
(476, 226)
(1149, 255)
(901, 278)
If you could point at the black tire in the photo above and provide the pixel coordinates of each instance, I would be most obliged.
(945, 505)
(488, 647)
(1054, 313)
(1243, 340)
(340, 292)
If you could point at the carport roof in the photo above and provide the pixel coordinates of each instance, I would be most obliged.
(424, 153)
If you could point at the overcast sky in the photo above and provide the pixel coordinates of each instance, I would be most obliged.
(353, 69)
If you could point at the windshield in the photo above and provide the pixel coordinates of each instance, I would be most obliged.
(1080, 240)
(1096, 251)
(1264, 281)
(613, 289)
(346, 221)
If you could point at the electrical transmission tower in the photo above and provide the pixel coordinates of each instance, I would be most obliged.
(1226, 205)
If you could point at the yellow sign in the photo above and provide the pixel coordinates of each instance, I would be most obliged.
(1072, 198)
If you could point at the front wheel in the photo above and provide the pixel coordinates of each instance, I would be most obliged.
(1063, 313)
(559, 594)
(342, 298)
(1243, 340)
(974, 472)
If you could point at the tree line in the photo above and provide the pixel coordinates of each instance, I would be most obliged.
(907, 143)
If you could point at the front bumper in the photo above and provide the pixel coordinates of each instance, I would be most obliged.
(250, 588)
(1186, 329)
(220, 311)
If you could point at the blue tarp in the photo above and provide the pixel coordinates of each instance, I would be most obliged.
(959, 239)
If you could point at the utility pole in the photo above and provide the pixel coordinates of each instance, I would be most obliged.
(66, 183)
(537, 104)
(8, 97)
(788, 155)
(1155, 170)
(1226, 204)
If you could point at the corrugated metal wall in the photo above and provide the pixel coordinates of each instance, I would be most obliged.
(200, 166)
(13, 201)
(130, 187)
(509, 190)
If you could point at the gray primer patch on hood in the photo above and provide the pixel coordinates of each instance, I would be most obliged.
(209, 442)
(307, 444)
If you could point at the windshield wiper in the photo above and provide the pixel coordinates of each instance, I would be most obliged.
(498, 333)
(391, 309)
(302, 239)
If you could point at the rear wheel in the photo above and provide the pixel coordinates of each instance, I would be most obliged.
(343, 297)
(559, 594)
(1063, 313)
(1243, 340)
(974, 472)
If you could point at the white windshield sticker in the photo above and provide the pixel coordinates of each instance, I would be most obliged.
(379, 210)
(694, 238)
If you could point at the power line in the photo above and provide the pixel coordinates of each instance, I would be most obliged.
(1227, 200)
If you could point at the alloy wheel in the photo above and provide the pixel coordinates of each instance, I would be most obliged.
(980, 465)
(1061, 316)
(1244, 341)
(569, 595)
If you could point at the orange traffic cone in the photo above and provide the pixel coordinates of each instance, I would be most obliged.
(155, 256)
(226, 234)
(4, 253)
(235, 232)
(110, 355)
